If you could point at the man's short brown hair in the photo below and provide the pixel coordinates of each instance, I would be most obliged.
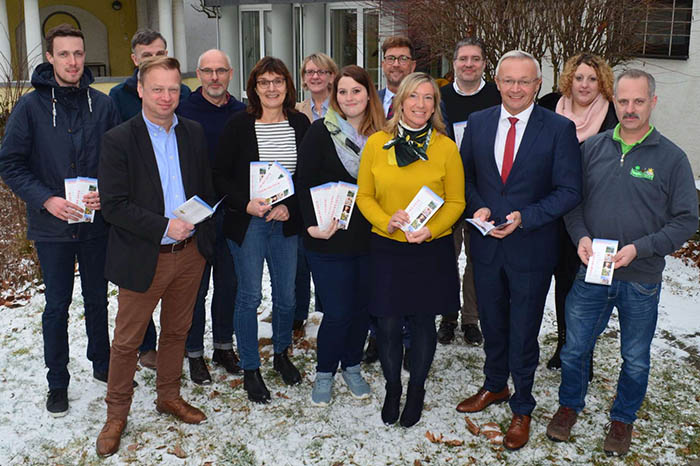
(164, 63)
(397, 41)
(62, 30)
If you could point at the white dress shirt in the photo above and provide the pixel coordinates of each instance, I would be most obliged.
(499, 146)
(459, 91)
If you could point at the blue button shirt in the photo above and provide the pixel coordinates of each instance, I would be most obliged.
(315, 112)
(168, 159)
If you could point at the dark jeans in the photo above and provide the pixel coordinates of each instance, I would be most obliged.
(302, 285)
(222, 303)
(341, 284)
(390, 347)
(57, 261)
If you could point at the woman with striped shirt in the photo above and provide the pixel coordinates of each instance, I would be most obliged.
(270, 130)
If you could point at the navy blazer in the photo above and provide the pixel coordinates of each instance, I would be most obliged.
(544, 184)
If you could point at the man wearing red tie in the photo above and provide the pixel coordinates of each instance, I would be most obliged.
(522, 165)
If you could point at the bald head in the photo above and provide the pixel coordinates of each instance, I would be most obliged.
(214, 72)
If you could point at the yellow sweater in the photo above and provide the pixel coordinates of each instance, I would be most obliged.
(384, 189)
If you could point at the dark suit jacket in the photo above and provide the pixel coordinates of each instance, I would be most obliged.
(544, 184)
(132, 201)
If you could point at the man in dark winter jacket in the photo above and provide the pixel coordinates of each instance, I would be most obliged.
(212, 106)
(53, 134)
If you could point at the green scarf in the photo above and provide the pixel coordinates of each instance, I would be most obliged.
(409, 144)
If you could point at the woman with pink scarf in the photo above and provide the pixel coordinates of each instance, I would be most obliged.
(585, 97)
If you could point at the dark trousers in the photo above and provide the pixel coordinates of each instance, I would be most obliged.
(57, 261)
(222, 303)
(564, 276)
(149, 338)
(390, 347)
(511, 305)
(470, 315)
(302, 285)
(341, 282)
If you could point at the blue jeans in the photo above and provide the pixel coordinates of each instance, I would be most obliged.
(264, 241)
(302, 284)
(57, 261)
(342, 282)
(222, 303)
(588, 309)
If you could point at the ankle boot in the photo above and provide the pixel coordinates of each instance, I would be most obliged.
(255, 386)
(290, 374)
(414, 406)
(392, 403)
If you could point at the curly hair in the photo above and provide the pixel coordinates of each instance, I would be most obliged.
(602, 70)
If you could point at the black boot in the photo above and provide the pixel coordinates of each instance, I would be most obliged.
(446, 332)
(286, 369)
(414, 406)
(255, 386)
(371, 353)
(227, 359)
(392, 403)
(199, 373)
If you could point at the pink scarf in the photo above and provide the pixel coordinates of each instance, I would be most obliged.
(592, 120)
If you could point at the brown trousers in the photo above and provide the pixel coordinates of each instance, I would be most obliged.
(175, 284)
(470, 314)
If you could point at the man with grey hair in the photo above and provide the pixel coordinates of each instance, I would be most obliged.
(522, 168)
(211, 105)
(467, 94)
(655, 211)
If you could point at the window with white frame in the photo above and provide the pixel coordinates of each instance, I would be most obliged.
(665, 31)
(255, 38)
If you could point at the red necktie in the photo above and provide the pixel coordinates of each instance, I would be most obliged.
(390, 112)
(508, 152)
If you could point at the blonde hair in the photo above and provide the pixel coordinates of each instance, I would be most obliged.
(409, 84)
(603, 72)
(324, 62)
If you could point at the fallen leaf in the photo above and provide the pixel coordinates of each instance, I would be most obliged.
(282, 395)
(454, 443)
(171, 429)
(160, 447)
(473, 428)
(417, 463)
(132, 447)
(264, 342)
(208, 463)
(433, 438)
(177, 451)
(235, 383)
(214, 394)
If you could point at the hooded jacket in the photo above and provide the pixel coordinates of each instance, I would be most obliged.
(126, 96)
(52, 134)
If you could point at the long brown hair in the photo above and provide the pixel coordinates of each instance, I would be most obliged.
(269, 65)
(374, 113)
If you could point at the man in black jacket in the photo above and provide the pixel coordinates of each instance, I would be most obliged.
(151, 165)
(53, 134)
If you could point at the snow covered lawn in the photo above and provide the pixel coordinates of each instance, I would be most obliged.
(290, 430)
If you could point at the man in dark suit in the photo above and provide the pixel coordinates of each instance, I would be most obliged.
(522, 165)
(149, 166)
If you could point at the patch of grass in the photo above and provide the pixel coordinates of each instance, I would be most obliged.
(237, 455)
(20, 352)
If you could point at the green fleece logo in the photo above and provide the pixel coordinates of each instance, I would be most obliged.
(646, 173)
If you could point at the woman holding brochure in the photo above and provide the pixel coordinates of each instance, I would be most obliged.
(338, 257)
(411, 165)
(261, 225)
(585, 97)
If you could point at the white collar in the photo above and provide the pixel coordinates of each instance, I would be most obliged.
(464, 94)
(523, 116)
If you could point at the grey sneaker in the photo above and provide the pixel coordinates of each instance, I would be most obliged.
(323, 389)
(559, 428)
(356, 383)
(618, 440)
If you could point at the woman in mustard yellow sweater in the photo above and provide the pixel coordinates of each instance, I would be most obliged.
(413, 273)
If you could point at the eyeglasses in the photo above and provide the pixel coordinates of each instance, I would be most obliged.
(219, 71)
(319, 73)
(521, 82)
(266, 83)
(403, 59)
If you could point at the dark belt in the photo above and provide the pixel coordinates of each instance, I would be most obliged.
(175, 247)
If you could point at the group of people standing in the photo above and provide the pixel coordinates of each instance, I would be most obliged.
(592, 167)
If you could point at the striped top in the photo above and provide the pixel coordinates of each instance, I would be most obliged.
(276, 141)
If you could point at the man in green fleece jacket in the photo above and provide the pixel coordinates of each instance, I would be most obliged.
(638, 189)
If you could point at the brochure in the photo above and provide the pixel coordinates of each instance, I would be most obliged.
(334, 201)
(600, 264)
(76, 188)
(270, 181)
(422, 208)
(196, 210)
(486, 227)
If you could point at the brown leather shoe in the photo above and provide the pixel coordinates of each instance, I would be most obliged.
(110, 436)
(181, 410)
(518, 433)
(559, 428)
(618, 440)
(148, 359)
(482, 399)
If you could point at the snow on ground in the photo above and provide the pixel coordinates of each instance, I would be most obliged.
(290, 430)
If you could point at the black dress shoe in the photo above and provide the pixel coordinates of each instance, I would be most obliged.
(255, 386)
(407, 359)
(198, 371)
(371, 353)
(284, 366)
(57, 402)
(392, 403)
(227, 359)
(414, 406)
(472, 334)
(446, 332)
(104, 376)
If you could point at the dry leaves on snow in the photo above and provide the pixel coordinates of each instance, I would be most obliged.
(177, 451)
(440, 439)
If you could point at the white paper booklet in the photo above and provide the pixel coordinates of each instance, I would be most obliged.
(486, 227)
(600, 264)
(270, 181)
(334, 201)
(76, 188)
(195, 210)
(422, 208)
